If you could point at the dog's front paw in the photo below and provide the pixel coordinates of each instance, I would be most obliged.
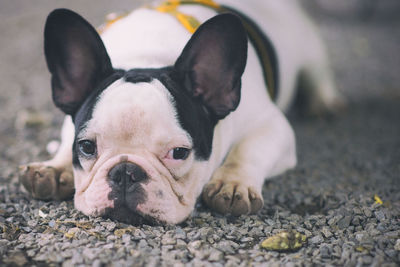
(232, 198)
(46, 182)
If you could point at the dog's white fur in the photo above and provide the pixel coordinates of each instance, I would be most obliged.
(253, 143)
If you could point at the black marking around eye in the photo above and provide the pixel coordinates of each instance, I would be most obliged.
(85, 112)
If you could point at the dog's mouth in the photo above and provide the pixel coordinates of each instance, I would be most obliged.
(125, 207)
(125, 215)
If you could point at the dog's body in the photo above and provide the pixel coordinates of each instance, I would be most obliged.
(148, 140)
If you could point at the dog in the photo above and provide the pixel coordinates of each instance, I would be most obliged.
(171, 103)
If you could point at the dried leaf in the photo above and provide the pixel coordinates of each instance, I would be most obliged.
(121, 232)
(99, 236)
(378, 200)
(362, 249)
(71, 233)
(285, 241)
(83, 224)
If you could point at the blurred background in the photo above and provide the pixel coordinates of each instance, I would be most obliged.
(363, 37)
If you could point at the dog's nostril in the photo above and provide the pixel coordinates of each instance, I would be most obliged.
(135, 172)
(126, 173)
(116, 175)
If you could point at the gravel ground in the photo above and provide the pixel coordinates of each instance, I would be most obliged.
(344, 161)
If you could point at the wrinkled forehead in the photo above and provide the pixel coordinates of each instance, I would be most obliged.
(143, 110)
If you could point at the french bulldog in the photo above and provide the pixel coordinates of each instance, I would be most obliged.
(157, 117)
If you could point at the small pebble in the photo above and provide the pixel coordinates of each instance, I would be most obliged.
(316, 239)
(397, 245)
(380, 215)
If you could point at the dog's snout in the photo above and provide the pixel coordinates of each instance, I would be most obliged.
(126, 174)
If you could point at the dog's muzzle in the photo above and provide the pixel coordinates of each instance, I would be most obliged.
(125, 180)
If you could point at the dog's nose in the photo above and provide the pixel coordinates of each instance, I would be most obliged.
(126, 174)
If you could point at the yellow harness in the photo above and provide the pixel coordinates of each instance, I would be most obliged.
(261, 43)
(171, 7)
(187, 21)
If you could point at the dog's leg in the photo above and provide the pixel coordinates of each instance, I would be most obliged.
(316, 80)
(320, 90)
(52, 179)
(267, 151)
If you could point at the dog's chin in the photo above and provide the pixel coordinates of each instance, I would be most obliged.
(125, 215)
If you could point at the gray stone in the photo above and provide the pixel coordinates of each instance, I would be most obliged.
(110, 226)
(180, 233)
(308, 225)
(367, 211)
(168, 239)
(357, 211)
(334, 220)
(54, 257)
(326, 232)
(215, 256)
(225, 246)
(205, 232)
(337, 251)
(391, 253)
(355, 221)
(392, 234)
(180, 244)
(380, 215)
(316, 239)
(97, 263)
(32, 223)
(397, 245)
(142, 244)
(344, 222)
(111, 238)
(194, 246)
(90, 253)
(381, 227)
(26, 229)
(138, 234)
(68, 263)
(126, 239)
(31, 253)
(367, 260)
(325, 251)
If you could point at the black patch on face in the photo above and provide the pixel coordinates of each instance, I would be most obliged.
(125, 204)
(126, 180)
(193, 116)
(125, 215)
(85, 112)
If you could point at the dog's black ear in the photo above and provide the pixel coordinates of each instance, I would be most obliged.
(76, 58)
(212, 63)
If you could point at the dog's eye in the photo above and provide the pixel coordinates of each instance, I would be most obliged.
(87, 147)
(179, 153)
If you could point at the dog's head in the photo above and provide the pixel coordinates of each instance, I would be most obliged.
(143, 137)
